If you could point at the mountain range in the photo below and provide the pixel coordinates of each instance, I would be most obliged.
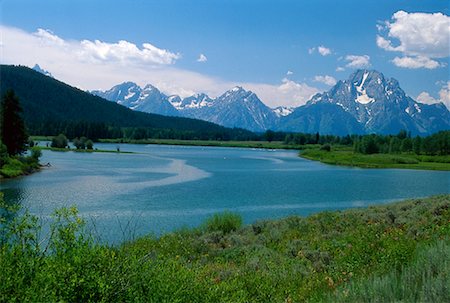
(367, 102)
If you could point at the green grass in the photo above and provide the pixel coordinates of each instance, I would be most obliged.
(346, 157)
(362, 254)
(18, 166)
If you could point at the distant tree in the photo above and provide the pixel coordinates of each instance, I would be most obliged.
(406, 145)
(89, 144)
(269, 135)
(59, 141)
(394, 145)
(12, 127)
(369, 145)
(402, 134)
(417, 145)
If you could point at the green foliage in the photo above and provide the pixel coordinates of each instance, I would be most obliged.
(396, 252)
(12, 127)
(83, 143)
(3, 154)
(225, 222)
(89, 144)
(425, 279)
(326, 147)
(59, 141)
(344, 156)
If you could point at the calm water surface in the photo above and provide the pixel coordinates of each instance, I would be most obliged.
(162, 188)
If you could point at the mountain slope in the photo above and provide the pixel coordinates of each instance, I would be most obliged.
(325, 118)
(381, 106)
(47, 100)
(235, 108)
(149, 99)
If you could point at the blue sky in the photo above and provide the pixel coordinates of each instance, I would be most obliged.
(283, 50)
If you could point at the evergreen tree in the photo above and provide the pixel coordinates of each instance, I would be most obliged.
(12, 128)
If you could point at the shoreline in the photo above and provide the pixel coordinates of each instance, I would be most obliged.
(340, 156)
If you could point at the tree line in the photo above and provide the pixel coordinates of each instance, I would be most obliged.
(435, 144)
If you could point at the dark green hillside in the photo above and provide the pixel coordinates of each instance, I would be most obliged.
(50, 106)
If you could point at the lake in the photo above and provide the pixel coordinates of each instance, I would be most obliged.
(160, 188)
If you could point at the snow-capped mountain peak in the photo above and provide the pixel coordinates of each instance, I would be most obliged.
(37, 68)
(283, 111)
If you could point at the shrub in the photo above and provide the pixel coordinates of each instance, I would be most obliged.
(59, 141)
(225, 222)
(326, 147)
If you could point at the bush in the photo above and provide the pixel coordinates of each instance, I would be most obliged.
(59, 141)
(225, 222)
(326, 147)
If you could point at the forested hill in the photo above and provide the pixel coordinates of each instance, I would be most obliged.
(52, 106)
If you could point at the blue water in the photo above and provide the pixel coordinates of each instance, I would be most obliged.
(162, 188)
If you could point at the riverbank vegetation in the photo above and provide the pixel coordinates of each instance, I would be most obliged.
(14, 140)
(394, 252)
(378, 151)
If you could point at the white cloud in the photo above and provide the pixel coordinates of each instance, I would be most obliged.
(288, 93)
(322, 50)
(444, 96)
(426, 98)
(340, 69)
(202, 58)
(125, 52)
(328, 80)
(355, 61)
(91, 65)
(48, 37)
(418, 36)
(289, 73)
(416, 62)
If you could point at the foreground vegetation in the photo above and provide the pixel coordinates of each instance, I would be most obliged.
(396, 252)
(339, 155)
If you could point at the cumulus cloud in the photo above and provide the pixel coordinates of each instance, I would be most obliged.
(444, 96)
(289, 73)
(340, 69)
(322, 50)
(125, 52)
(420, 37)
(355, 61)
(202, 58)
(288, 93)
(415, 62)
(328, 80)
(91, 65)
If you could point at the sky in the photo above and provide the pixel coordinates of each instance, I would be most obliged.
(285, 51)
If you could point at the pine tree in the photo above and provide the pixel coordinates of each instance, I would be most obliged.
(12, 127)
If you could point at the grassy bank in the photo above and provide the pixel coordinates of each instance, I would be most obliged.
(331, 256)
(16, 166)
(346, 157)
